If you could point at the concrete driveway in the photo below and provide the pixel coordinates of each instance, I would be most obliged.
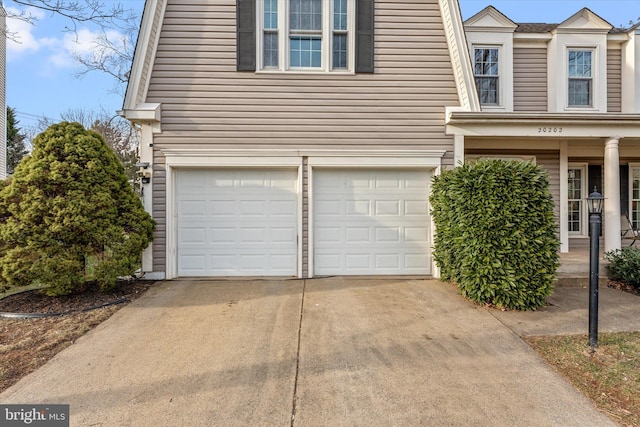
(325, 352)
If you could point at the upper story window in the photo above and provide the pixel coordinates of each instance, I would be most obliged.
(487, 74)
(306, 35)
(580, 84)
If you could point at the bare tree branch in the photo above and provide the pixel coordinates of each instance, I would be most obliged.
(112, 53)
(94, 11)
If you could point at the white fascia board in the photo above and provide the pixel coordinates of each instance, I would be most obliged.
(146, 112)
(425, 161)
(547, 127)
(459, 54)
(490, 19)
(147, 37)
(532, 37)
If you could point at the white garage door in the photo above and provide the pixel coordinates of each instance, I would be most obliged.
(237, 222)
(371, 222)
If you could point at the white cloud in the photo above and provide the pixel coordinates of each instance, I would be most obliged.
(57, 49)
(84, 42)
(22, 32)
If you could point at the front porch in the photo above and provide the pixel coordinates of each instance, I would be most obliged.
(575, 263)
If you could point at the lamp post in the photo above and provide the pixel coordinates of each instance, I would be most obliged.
(594, 202)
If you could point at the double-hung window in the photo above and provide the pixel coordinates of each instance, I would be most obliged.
(306, 35)
(580, 72)
(487, 75)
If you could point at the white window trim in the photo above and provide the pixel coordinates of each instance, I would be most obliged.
(584, 220)
(327, 40)
(501, 67)
(631, 167)
(595, 81)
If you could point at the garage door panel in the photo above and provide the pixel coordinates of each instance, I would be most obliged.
(358, 235)
(371, 222)
(416, 234)
(237, 222)
(387, 207)
(388, 261)
(357, 207)
(388, 234)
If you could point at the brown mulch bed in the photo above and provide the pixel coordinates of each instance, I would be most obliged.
(623, 287)
(35, 302)
(27, 344)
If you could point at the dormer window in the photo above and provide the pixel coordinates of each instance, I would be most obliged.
(487, 74)
(580, 78)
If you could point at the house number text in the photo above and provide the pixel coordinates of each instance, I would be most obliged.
(549, 130)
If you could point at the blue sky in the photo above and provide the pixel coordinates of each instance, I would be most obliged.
(41, 71)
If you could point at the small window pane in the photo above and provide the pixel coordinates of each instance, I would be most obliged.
(305, 15)
(579, 64)
(486, 62)
(270, 49)
(340, 15)
(580, 92)
(487, 90)
(340, 51)
(305, 51)
(271, 14)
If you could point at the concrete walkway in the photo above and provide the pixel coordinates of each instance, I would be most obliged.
(327, 352)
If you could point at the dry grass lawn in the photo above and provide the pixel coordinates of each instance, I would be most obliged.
(610, 376)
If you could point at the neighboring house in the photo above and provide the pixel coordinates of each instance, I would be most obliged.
(566, 96)
(3, 92)
(294, 137)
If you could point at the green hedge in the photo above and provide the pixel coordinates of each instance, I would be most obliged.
(496, 234)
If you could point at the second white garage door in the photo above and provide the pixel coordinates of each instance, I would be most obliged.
(237, 222)
(371, 222)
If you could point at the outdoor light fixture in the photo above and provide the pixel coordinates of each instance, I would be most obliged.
(594, 203)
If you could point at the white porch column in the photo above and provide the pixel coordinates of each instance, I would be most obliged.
(611, 194)
(458, 150)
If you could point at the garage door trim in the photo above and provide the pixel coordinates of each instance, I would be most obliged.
(427, 164)
(177, 163)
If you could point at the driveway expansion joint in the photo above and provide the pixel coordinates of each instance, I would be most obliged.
(295, 381)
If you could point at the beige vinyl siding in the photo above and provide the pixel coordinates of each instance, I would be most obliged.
(207, 103)
(529, 79)
(614, 80)
(159, 182)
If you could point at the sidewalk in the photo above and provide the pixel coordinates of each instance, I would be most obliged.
(568, 313)
(327, 352)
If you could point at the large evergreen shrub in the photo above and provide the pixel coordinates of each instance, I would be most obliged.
(69, 216)
(496, 232)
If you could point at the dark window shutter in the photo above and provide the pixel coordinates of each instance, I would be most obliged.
(246, 35)
(364, 35)
(624, 189)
